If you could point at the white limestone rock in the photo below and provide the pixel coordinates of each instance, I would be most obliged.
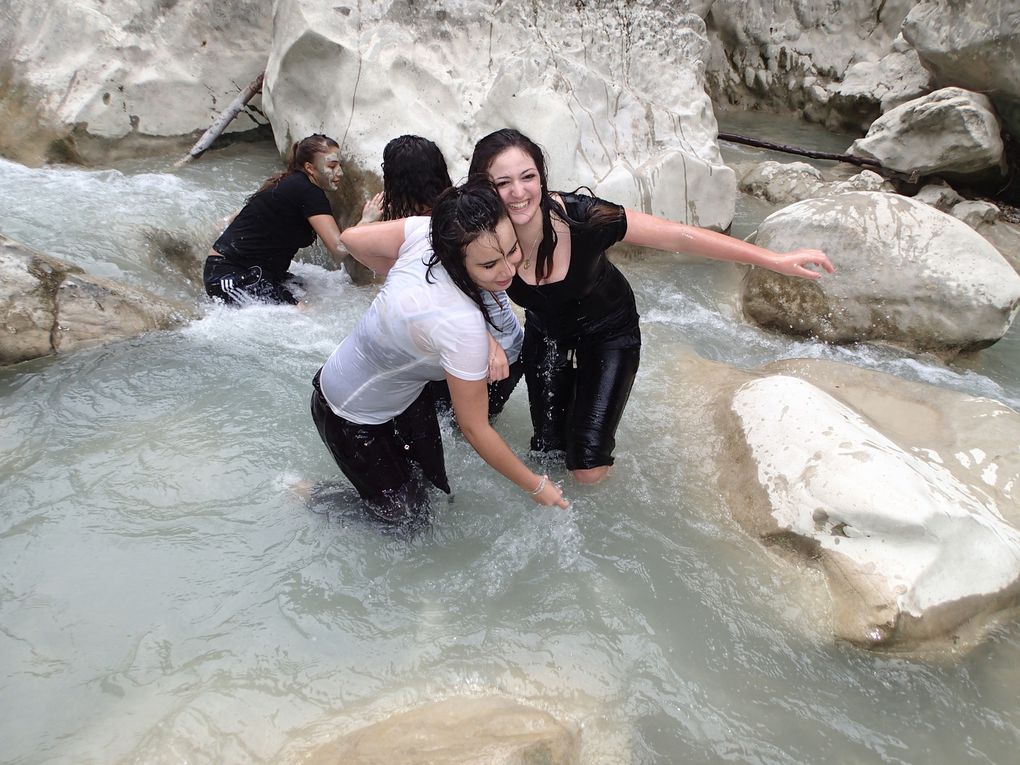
(950, 131)
(973, 45)
(974, 212)
(785, 183)
(911, 550)
(47, 307)
(869, 88)
(939, 195)
(631, 121)
(906, 274)
(135, 67)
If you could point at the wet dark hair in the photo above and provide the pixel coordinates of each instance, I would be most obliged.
(301, 152)
(494, 144)
(414, 175)
(460, 215)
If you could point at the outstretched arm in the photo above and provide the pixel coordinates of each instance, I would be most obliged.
(471, 407)
(375, 245)
(646, 230)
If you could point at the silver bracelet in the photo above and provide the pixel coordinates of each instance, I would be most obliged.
(541, 485)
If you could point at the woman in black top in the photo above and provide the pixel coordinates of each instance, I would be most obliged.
(250, 258)
(582, 344)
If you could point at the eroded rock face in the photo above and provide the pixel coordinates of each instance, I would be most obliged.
(47, 307)
(916, 537)
(951, 131)
(130, 69)
(780, 55)
(462, 731)
(906, 274)
(973, 45)
(614, 94)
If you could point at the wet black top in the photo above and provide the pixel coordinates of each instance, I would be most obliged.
(594, 298)
(273, 225)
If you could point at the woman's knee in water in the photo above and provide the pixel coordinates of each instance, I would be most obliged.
(591, 475)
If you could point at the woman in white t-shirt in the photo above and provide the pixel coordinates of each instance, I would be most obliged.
(428, 322)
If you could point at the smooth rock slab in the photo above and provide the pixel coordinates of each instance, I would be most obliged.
(906, 274)
(911, 549)
(462, 731)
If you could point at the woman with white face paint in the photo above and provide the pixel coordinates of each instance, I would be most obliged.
(428, 322)
(250, 258)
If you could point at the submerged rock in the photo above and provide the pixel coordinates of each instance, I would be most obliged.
(906, 274)
(459, 731)
(48, 306)
(785, 183)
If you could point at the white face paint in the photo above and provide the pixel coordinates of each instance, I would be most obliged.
(325, 171)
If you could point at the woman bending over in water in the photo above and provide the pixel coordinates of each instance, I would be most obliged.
(250, 258)
(428, 322)
(582, 343)
(414, 175)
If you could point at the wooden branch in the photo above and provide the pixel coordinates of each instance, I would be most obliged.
(852, 159)
(225, 118)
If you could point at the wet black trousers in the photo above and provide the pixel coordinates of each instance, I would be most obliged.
(387, 464)
(242, 285)
(577, 391)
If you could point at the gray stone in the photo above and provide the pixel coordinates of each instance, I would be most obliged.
(47, 307)
(950, 131)
(906, 274)
(973, 45)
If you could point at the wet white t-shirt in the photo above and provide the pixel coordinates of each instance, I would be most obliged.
(417, 329)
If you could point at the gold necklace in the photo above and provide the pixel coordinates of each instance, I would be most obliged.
(526, 263)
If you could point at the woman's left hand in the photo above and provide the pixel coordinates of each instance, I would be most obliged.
(499, 367)
(372, 211)
(796, 262)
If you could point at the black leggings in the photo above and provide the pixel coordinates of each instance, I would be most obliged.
(577, 391)
(388, 464)
(240, 284)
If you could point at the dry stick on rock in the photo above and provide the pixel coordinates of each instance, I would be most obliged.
(873, 164)
(228, 114)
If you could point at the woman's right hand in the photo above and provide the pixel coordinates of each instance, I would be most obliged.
(551, 494)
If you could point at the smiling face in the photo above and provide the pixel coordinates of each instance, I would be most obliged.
(516, 178)
(491, 260)
(325, 171)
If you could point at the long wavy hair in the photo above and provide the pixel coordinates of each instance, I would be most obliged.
(301, 152)
(462, 214)
(414, 175)
(494, 144)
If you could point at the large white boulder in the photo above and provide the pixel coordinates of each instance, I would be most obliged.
(614, 94)
(973, 45)
(81, 69)
(906, 274)
(851, 479)
(910, 550)
(951, 131)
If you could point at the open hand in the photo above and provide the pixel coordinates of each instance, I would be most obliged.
(796, 262)
(372, 211)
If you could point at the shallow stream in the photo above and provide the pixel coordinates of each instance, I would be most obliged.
(165, 597)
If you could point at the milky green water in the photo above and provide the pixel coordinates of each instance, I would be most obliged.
(165, 597)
